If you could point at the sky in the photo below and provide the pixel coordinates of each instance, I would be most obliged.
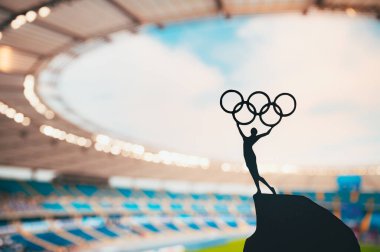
(161, 87)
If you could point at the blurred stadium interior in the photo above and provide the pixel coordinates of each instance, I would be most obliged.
(65, 188)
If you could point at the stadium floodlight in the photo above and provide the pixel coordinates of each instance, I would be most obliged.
(31, 16)
(34, 101)
(62, 135)
(12, 113)
(44, 11)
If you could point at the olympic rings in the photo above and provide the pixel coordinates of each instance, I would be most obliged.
(252, 109)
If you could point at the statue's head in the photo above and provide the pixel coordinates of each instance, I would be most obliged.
(253, 132)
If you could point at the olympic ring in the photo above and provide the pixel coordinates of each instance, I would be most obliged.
(264, 109)
(262, 93)
(226, 92)
(294, 101)
(240, 105)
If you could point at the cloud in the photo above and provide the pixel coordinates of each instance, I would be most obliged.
(327, 61)
(167, 94)
(139, 88)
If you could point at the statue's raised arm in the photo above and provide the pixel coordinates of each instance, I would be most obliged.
(240, 131)
(265, 134)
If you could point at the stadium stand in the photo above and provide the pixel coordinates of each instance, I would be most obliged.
(40, 216)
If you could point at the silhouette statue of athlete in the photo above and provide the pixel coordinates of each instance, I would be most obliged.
(250, 157)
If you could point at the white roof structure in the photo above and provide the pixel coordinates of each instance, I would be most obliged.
(34, 32)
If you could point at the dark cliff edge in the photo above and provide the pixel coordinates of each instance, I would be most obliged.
(290, 223)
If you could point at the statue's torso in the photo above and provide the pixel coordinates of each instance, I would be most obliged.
(249, 154)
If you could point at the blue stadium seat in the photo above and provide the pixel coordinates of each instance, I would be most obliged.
(171, 226)
(131, 206)
(88, 190)
(52, 206)
(200, 209)
(154, 206)
(81, 206)
(199, 196)
(126, 192)
(12, 187)
(221, 197)
(174, 195)
(150, 227)
(54, 239)
(245, 198)
(244, 209)
(212, 224)
(80, 233)
(43, 188)
(28, 245)
(221, 208)
(231, 222)
(149, 193)
(176, 207)
(192, 225)
(104, 230)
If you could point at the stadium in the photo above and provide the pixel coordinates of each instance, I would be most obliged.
(83, 169)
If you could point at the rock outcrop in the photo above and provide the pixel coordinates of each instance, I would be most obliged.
(287, 223)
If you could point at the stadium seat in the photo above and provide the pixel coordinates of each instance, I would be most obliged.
(126, 192)
(28, 245)
(130, 206)
(200, 209)
(212, 224)
(149, 193)
(43, 188)
(80, 233)
(88, 190)
(54, 238)
(53, 206)
(12, 187)
(171, 226)
(176, 207)
(150, 227)
(82, 206)
(221, 208)
(154, 206)
(104, 230)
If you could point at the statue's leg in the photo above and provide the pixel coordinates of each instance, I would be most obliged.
(257, 183)
(252, 167)
(266, 183)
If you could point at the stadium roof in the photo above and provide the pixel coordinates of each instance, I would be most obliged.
(34, 32)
